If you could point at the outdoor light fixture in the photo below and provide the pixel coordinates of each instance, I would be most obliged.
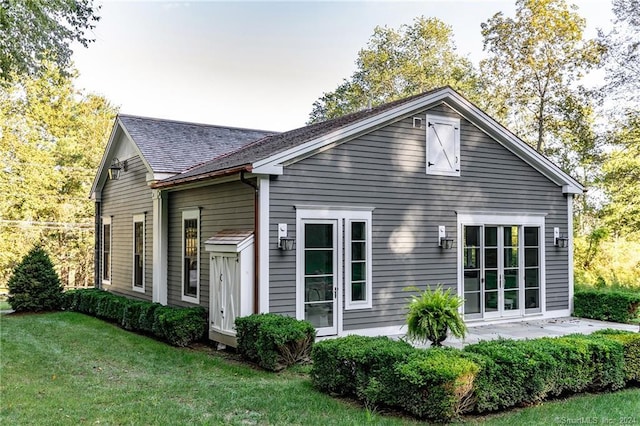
(559, 241)
(116, 167)
(284, 243)
(443, 240)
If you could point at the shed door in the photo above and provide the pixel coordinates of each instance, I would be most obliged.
(225, 292)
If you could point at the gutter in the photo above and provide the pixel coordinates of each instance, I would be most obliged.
(200, 177)
(256, 240)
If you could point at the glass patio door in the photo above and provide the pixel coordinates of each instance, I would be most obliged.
(321, 275)
(501, 266)
(501, 271)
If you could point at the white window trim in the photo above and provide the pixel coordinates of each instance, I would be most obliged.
(106, 220)
(311, 212)
(138, 218)
(455, 122)
(482, 218)
(187, 215)
(359, 304)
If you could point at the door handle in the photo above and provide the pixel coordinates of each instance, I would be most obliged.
(335, 292)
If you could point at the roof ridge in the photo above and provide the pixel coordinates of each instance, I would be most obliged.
(192, 123)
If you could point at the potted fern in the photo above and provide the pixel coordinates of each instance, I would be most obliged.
(433, 313)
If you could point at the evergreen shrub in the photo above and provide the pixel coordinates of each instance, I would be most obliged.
(607, 305)
(34, 285)
(274, 341)
(631, 347)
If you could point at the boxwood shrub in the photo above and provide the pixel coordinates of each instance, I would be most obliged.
(631, 347)
(606, 305)
(521, 372)
(436, 384)
(345, 366)
(178, 326)
(274, 341)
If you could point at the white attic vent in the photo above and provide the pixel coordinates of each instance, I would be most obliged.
(417, 122)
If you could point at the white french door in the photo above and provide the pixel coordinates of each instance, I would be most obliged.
(502, 270)
(321, 272)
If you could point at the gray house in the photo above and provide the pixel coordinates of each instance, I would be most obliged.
(330, 222)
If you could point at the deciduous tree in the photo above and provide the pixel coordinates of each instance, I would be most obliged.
(52, 137)
(34, 30)
(398, 63)
(535, 60)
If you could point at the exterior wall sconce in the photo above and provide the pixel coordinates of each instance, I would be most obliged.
(443, 240)
(116, 167)
(558, 240)
(284, 243)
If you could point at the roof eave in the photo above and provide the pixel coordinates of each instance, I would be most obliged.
(470, 111)
(197, 178)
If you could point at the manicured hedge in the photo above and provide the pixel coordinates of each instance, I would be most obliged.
(344, 366)
(606, 305)
(631, 343)
(442, 383)
(274, 341)
(433, 384)
(178, 326)
(522, 372)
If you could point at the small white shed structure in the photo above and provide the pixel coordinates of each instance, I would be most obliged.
(231, 282)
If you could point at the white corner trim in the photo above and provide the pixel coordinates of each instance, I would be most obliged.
(160, 247)
(263, 242)
(570, 248)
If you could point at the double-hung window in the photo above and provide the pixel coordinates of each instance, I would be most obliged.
(191, 256)
(358, 262)
(138, 253)
(106, 250)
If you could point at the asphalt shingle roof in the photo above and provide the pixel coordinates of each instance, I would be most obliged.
(273, 144)
(175, 146)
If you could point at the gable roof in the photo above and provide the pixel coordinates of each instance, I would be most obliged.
(270, 154)
(167, 147)
(173, 146)
(269, 145)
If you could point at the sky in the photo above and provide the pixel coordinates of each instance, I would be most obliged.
(258, 64)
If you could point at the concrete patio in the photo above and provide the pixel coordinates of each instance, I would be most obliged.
(534, 328)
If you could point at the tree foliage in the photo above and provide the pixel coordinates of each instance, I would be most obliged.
(623, 55)
(34, 285)
(621, 180)
(398, 63)
(36, 30)
(51, 141)
(534, 60)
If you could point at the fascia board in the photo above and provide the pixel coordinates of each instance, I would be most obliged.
(98, 179)
(351, 130)
(107, 157)
(515, 145)
(458, 103)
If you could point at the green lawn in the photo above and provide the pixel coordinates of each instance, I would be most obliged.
(67, 368)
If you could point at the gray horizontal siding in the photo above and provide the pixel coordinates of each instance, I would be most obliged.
(385, 169)
(224, 206)
(122, 199)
